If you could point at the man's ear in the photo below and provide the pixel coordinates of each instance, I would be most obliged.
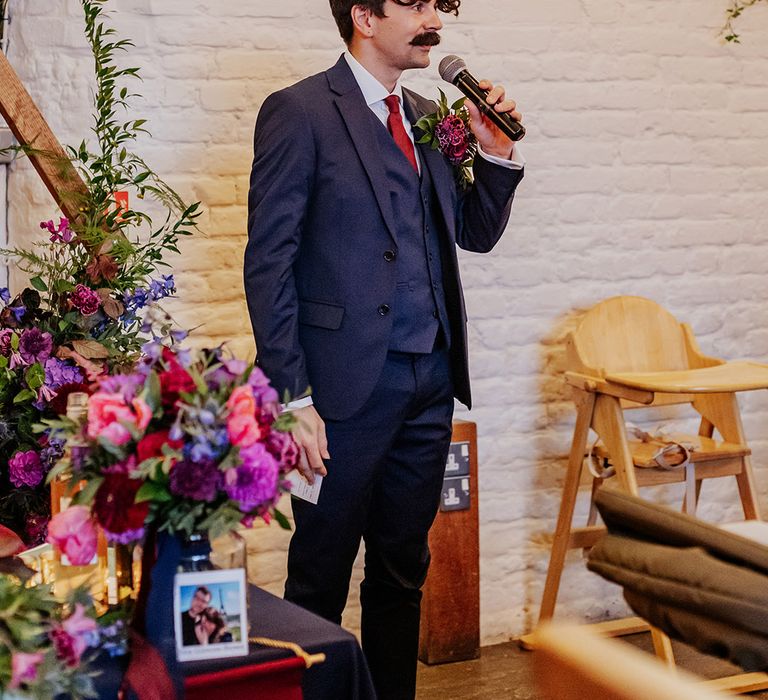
(362, 20)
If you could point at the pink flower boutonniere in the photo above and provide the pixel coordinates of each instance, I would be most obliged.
(447, 130)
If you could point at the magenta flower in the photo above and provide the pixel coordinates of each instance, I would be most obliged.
(61, 233)
(80, 628)
(255, 481)
(5, 342)
(25, 469)
(85, 300)
(453, 136)
(284, 449)
(35, 346)
(24, 667)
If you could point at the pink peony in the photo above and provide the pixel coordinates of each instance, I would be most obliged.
(110, 416)
(70, 637)
(74, 533)
(242, 423)
(24, 667)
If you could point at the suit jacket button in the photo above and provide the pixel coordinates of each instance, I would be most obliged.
(389, 255)
(435, 314)
(384, 309)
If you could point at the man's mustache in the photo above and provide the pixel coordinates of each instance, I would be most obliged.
(426, 39)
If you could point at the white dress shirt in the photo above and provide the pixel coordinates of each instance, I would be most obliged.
(374, 94)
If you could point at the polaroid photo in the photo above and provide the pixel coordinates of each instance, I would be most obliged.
(210, 614)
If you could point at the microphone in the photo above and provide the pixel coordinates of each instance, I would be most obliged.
(453, 70)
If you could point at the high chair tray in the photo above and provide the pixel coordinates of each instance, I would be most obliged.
(741, 375)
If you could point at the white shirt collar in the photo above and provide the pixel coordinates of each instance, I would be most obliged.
(373, 91)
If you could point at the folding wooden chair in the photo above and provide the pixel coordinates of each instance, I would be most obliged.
(629, 352)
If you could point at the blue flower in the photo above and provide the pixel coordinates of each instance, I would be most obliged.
(18, 312)
(5, 295)
(161, 288)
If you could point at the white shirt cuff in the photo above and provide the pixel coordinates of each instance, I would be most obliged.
(298, 403)
(516, 161)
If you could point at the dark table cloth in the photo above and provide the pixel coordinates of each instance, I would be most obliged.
(343, 676)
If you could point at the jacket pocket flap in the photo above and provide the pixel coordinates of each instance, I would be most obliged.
(321, 314)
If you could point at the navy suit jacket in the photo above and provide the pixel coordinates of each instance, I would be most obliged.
(320, 221)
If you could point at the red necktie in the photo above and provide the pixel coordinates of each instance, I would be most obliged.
(396, 128)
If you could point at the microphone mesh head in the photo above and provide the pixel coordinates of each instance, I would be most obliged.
(450, 67)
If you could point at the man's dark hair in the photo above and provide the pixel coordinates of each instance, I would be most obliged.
(203, 590)
(342, 11)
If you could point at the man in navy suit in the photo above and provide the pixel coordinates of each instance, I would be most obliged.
(353, 289)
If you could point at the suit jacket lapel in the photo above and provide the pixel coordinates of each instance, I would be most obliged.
(357, 116)
(442, 175)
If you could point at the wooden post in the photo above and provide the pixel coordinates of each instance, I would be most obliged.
(450, 612)
(30, 129)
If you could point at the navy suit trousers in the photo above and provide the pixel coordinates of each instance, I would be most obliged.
(383, 485)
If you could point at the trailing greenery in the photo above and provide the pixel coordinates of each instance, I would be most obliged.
(90, 281)
(735, 11)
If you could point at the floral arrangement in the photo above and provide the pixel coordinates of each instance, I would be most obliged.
(192, 443)
(89, 283)
(43, 643)
(735, 11)
(447, 130)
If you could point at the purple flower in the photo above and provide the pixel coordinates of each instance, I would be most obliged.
(254, 482)
(262, 391)
(199, 481)
(126, 384)
(18, 312)
(35, 346)
(125, 537)
(5, 295)
(135, 300)
(161, 288)
(25, 469)
(51, 453)
(61, 233)
(85, 300)
(59, 372)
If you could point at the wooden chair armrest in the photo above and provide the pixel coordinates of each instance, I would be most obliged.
(597, 385)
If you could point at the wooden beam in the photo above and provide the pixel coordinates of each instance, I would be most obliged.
(30, 129)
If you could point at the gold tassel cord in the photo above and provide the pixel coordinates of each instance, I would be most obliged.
(309, 659)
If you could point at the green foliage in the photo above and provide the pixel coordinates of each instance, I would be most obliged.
(735, 11)
(114, 250)
(27, 616)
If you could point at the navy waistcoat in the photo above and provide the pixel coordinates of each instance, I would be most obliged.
(419, 309)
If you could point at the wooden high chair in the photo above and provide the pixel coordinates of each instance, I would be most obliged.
(629, 352)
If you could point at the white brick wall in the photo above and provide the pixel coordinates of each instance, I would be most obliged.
(648, 170)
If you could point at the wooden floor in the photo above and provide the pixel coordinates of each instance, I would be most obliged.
(504, 672)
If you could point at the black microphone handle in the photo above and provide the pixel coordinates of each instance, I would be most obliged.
(469, 86)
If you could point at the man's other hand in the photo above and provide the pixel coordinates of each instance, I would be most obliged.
(309, 433)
